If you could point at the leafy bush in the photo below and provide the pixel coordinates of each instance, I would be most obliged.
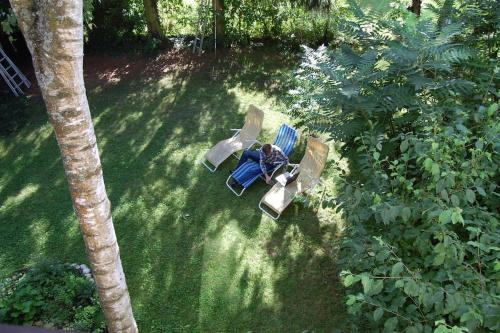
(400, 73)
(303, 27)
(415, 109)
(289, 22)
(423, 229)
(117, 24)
(481, 20)
(51, 295)
(8, 22)
(113, 24)
(178, 17)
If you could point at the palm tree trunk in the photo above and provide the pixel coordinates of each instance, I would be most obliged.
(53, 31)
(152, 18)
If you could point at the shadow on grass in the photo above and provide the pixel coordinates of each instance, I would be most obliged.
(196, 257)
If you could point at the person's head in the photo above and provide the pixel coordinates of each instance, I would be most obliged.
(267, 149)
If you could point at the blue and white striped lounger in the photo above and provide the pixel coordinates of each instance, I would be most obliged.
(249, 171)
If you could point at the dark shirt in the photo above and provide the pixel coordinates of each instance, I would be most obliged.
(276, 157)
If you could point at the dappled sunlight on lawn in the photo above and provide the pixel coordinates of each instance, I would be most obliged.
(24, 194)
(196, 257)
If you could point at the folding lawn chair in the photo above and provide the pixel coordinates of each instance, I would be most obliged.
(242, 139)
(274, 202)
(249, 171)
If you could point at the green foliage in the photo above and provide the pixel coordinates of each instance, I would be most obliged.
(250, 19)
(432, 208)
(177, 17)
(118, 23)
(8, 22)
(391, 75)
(53, 295)
(303, 27)
(481, 20)
(314, 4)
(88, 17)
(414, 106)
(291, 22)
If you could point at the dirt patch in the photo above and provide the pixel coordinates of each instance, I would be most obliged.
(104, 70)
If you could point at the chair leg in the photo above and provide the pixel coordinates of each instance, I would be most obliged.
(211, 169)
(231, 188)
(265, 211)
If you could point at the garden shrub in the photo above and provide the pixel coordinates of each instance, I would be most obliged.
(302, 27)
(414, 105)
(423, 242)
(51, 295)
(117, 25)
(288, 22)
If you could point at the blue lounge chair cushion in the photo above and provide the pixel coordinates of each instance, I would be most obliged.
(285, 139)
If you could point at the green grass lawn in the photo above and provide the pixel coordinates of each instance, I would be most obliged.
(196, 257)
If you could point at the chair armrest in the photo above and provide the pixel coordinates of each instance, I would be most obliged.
(294, 167)
(236, 131)
(254, 142)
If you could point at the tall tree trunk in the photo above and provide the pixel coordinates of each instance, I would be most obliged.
(153, 18)
(53, 30)
(416, 6)
(220, 24)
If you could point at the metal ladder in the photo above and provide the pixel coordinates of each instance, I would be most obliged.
(203, 17)
(12, 75)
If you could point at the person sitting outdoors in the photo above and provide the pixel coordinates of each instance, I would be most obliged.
(268, 157)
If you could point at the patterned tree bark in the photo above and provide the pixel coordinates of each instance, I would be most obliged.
(152, 18)
(53, 30)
